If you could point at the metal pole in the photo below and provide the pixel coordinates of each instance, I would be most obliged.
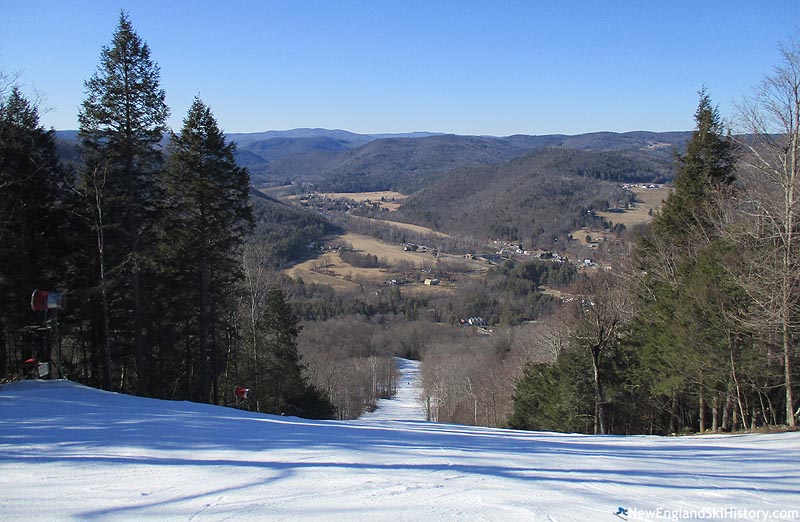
(58, 344)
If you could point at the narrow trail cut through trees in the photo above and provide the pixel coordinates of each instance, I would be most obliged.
(405, 405)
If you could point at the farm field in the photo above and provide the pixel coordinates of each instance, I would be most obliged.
(646, 200)
(305, 272)
(392, 253)
(329, 269)
(392, 200)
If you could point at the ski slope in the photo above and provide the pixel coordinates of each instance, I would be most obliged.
(405, 405)
(69, 453)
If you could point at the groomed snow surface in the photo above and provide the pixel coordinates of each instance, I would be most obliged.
(68, 452)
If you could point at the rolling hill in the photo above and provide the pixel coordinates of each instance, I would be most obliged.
(405, 164)
(534, 198)
(409, 164)
(341, 161)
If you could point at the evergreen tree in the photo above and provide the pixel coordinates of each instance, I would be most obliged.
(204, 222)
(555, 396)
(685, 325)
(122, 120)
(32, 216)
(706, 168)
(683, 345)
(284, 389)
(771, 209)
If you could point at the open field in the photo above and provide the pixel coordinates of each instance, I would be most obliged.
(580, 235)
(329, 269)
(646, 200)
(304, 272)
(392, 200)
(392, 253)
(332, 266)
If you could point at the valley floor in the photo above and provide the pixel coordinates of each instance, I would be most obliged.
(68, 452)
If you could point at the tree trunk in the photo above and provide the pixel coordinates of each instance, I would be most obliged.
(213, 347)
(727, 410)
(673, 414)
(99, 225)
(787, 375)
(104, 298)
(715, 413)
(789, 269)
(106, 340)
(138, 338)
(599, 414)
(205, 370)
(702, 408)
(739, 399)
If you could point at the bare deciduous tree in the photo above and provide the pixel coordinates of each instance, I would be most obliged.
(597, 320)
(771, 199)
(259, 276)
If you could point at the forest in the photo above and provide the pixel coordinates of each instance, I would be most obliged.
(164, 267)
(154, 258)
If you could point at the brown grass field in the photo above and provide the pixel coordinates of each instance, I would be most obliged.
(392, 253)
(646, 199)
(375, 197)
(332, 271)
(329, 269)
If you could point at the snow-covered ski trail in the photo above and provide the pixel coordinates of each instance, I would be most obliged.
(405, 405)
(71, 453)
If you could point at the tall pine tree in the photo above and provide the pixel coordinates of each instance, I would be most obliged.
(706, 168)
(684, 327)
(122, 121)
(32, 217)
(205, 220)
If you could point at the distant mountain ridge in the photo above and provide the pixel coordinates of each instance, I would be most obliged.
(334, 134)
(339, 160)
(347, 163)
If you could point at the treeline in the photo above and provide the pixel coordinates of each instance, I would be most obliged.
(351, 360)
(510, 293)
(315, 302)
(699, 330)
(163, 299)
(362, 259)
(288, 231)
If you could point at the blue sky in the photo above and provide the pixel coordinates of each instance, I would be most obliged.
(494, 67)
